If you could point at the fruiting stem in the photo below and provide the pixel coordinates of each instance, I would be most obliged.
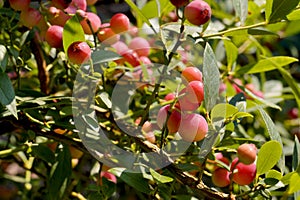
(222, 33)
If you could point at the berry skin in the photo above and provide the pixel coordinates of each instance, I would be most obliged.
(107, 36)
(76, 5)
(57, 17)
(54, 36)
(94, 20)
(119, 23)
(173, 121)
(30, 17)
(220, 177)
(221, 158)
(197, 12)
(191, 74)
(140, 45)
(195, 92)
(193, 127)
(247, 153)
(242, 174)
(79, 52)
(61, 4)
(184, 104)
(170, 96)
(179, 3)
(19, 4)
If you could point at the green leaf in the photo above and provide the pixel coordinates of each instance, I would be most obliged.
(211, 76)
(295, 15)
(269, 64)
(72, 32)
(259, 31)
(160, 178)
(222, 111)
(241, 115)
(279, 9)
(135, 180)
(7, 94)
(274, 134)
(291, 82)
(268, 156)
(44, 153)
(274, 174)
(60, 173)
(241, 9)
(296, 155)
(231, 52)
(3, 58)
(139, 14)
(294, 185)
(102, 56)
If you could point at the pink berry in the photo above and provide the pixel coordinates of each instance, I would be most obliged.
(197, 12)
(191, 74)
(79, 52)
(184, 104)
(107, 36)
(195, 91)
(19, 4)
(220, 177)
(57, 17)
(30, 17)
(193, 127)
(119, 23)
(242, 174)
(54, 36)
(76, 5)
(140, 45)
(94, 20)
(173, 121)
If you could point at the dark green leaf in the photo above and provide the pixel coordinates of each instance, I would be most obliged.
(268, 155)
(44, 153)
(3, 58)
(60, 173)
(7, 94)
(211, 76)
(296, 155)
(101, 56)
(274, 135)
(256, 31)
(72, 32)
(280, 9)
(135, 180)
(241, 9)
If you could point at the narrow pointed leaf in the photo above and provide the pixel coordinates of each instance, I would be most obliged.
(241, 9)
(211, 76)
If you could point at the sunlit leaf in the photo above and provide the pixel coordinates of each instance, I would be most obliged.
(269, 64)
(72, 32)
(277, 10)
(241, 9)
(293, 16)
(231, 52)
(211, 77)
(274, 135)
(268, 155)
(294, 185)
(160, 178)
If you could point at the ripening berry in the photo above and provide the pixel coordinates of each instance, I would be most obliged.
(197, 12)
(19, 4)
(193, 127)
(57, 17)
(140, 45)
(76, 5)
(79, 52)
(54, 36)
(173, 121)
(242, 174)
(179, 3)
(30, 17)
(191, 74)
(107, 36)
(247, 153)
(119, 23)
(220, 177)
(195, 91)
(94, 20)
